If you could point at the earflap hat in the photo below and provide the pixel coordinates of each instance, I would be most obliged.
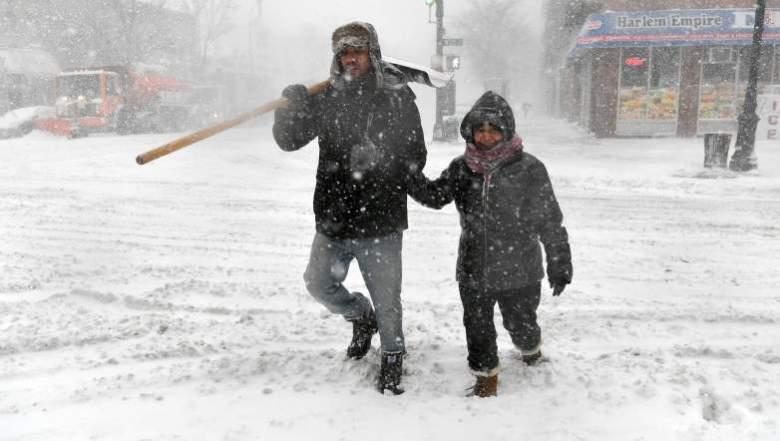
(354, 35)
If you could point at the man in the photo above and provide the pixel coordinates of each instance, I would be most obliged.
(371, 143)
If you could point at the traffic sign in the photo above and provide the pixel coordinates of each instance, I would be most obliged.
(452, 41)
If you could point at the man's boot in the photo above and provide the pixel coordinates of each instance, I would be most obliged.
(486, 386)
(390, 373)
(362, 332)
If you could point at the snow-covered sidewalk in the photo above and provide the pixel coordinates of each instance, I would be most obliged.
(166, 302)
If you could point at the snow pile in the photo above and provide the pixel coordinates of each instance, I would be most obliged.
(166, 302)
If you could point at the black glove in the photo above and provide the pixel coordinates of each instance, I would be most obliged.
(299, 101)
(559, 269)
(559, 276)
(557, 288)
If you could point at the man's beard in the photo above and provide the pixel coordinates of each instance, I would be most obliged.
(359, 82)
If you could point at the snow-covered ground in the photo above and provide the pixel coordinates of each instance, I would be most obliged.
(165, 302)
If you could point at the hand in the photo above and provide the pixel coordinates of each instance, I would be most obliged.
(559, 274)
(298, 98)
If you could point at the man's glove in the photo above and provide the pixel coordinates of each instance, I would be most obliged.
(299, 102)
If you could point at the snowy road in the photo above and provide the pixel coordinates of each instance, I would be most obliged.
(166, 302)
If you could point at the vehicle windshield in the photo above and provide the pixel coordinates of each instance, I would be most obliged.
(87, 85)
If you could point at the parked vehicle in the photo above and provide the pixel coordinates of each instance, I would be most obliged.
(19, 122)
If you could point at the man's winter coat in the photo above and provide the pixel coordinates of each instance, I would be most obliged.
(504, 213)
(371, 142)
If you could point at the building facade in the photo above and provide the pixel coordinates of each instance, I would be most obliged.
(661, 68)
(26, 77)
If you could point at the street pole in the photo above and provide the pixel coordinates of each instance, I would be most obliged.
(744, 157)
(438, 127)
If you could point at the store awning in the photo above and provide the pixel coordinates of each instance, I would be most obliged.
(690, 27)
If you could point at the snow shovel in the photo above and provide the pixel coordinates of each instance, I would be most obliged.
(413, 72)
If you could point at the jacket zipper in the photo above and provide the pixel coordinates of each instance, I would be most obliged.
(485, 192)
(485, 186)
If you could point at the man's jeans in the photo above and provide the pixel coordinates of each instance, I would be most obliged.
(379, 260)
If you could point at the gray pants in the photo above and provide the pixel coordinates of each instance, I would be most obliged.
(379, 260)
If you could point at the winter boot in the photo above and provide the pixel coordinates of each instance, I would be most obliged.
(532, 359)
(486, 386)
(532, 356)
(363, 331)
(390, 373)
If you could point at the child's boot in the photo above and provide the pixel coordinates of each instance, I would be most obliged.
(486, 386)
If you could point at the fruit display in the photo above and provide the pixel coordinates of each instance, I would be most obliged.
(633, 103)
(637, 103)
(662, 104)
(717, 101)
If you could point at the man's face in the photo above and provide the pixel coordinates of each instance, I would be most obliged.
(355, 61)
(487, 136)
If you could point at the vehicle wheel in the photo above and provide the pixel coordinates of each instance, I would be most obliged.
(25, 128)
(123, 123)
(78, 133)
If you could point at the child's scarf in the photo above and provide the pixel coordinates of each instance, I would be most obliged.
(484, 161)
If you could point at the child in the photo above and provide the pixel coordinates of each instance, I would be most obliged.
(507, 207)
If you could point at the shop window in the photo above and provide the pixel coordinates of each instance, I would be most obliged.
(720, 54)
(764, 65)
(634, 75)
(664, 84)
(766, 60)
(718, 91)
(776, 73)
(649, 84)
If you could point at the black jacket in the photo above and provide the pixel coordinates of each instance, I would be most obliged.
(503, 220)
(370, 141)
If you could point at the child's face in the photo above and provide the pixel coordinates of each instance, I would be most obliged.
(487, 136)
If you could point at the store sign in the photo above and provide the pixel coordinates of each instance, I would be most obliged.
(673, 21)
(696, 27)
(769, 112)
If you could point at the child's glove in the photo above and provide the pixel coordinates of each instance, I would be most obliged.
(557, 289)
(559, 276)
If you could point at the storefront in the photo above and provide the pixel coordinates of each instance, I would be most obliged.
(676, 72)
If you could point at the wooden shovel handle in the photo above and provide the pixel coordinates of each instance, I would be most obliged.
(202, 134)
